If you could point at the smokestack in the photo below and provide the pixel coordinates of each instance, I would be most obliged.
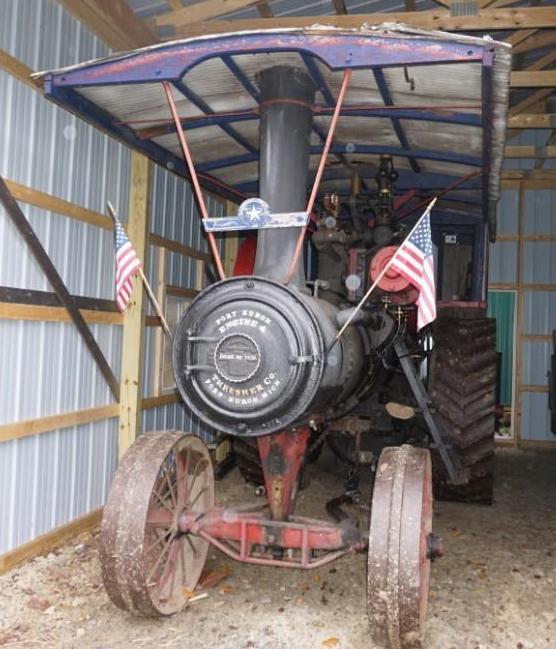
(287, 97)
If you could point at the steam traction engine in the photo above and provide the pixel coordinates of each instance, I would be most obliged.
(258, 356)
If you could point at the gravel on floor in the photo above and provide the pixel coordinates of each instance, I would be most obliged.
(494, 589)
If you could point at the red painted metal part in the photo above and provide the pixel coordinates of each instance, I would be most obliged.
(282, 456)
(392, 280)
(283, 540)
(245, 259)
(247, 536)
(194, 178)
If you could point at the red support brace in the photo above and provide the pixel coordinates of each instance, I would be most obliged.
(282, 456)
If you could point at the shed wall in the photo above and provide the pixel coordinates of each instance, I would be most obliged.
(528, 266)
(51, 478)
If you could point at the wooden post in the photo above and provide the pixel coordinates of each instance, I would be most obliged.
(519, 319)
(133, 322)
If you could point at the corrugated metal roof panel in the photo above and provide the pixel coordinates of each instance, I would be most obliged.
(456, 85)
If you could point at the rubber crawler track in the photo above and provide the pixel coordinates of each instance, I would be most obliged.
(463, 388)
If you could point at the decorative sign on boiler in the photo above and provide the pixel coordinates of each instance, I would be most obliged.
(254, 214)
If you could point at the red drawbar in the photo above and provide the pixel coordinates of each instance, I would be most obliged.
(247, 534)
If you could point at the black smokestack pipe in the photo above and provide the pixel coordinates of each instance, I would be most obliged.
(285, 134)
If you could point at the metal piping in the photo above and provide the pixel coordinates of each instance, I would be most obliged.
(287, 97)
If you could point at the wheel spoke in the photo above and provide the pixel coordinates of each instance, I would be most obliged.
(181, 487)
(202, 463)
(159, 540)
(191, 544)
(170, 488)
(201, 492)
(163, 502)
(169, 570)
(158, 561)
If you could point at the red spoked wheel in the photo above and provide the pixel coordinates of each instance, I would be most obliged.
(399, 548)
(148, 565)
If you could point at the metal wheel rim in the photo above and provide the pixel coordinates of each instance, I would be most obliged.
(148, 565)
(398, 567)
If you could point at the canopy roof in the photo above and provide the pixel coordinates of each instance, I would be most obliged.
(436, 102)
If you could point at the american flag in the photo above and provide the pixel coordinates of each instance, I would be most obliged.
(415, 262)
(127, 265)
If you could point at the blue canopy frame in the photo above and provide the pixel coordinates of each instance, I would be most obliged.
(338, 50)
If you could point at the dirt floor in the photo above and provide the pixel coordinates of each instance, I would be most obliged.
(494, 589)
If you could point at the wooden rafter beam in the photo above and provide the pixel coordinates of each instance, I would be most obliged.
(526, 174)
(113, 21)
(493, 19)
(17, 69)
(532, 120)
(531, 100)
(530, 152)
(534, 79)
(539, 162)
(519, 36)
(533, 41)
(201, 11)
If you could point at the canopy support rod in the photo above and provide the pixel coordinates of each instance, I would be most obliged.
(194, 178)
(320, 170)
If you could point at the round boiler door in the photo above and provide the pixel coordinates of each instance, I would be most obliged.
(248, 356)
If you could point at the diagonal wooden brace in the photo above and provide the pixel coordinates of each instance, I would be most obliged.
(26, 230)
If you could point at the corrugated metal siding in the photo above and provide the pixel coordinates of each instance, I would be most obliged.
(503, 254)
(539, 307)
(52, 478)
(539, 312)
(536, 358)
(503, 262)
(177, 417)
(174, 216)
(535, 417)
(508, 212)
(49, 479)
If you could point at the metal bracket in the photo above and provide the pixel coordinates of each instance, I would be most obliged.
(458, 474)
(254, 214)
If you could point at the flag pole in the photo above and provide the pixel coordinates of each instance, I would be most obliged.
(146, 284)
(379, 278)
